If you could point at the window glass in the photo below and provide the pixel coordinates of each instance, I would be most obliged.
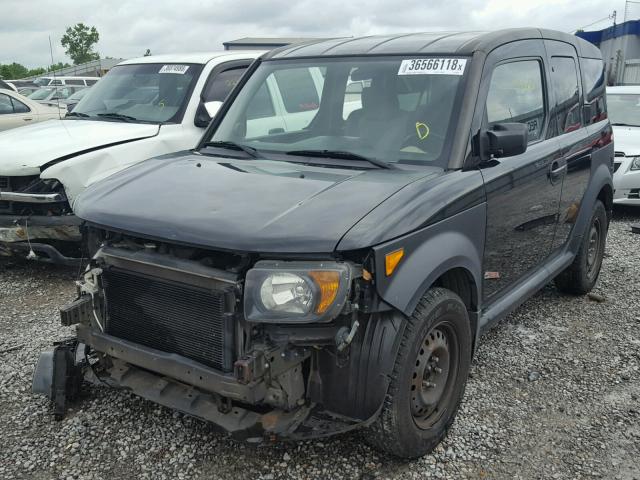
(594, 85)
(261, 105)
(564, 77)
(298, 90)
(19, 107)
(516, 95)
(74, 82)
(91, 82)
(5, 104)
(365, 106)
(55, 82)
(219, 87)
(624, 109)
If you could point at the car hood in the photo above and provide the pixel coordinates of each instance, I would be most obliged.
(26, 150)
(627, 140)
(240, 205)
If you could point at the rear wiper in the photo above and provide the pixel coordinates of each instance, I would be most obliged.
(340, 155)
(252, 152)
(77, 114)
(118, 116)
(624, 125)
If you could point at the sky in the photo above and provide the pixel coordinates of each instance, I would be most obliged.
(128, 28)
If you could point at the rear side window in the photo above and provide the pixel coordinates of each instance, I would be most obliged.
(91, 82)
(19, 107)
(298, 90)
(219, 86)
(594, 85)
(5, 104)
(74, 82)
(564, 78)
(516, 95)
(55, 82)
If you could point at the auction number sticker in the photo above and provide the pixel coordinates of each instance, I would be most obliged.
(179, 69)
(433, 66)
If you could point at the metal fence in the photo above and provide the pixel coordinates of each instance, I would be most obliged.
(94, 68)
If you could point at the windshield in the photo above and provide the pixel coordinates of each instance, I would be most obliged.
(624, 109)
(387, 109)
(41, 94)
(42, 81)
(156, 93)
(79, 94)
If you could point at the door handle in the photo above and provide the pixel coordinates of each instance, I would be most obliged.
(27, 119)
(557, 169)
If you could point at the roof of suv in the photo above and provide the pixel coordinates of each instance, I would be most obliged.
(197, 58)
(461, 43)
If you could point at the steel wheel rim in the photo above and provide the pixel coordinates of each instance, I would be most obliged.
(433, 376)
(594, 247)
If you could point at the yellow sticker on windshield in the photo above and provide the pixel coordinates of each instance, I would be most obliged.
(422, 129)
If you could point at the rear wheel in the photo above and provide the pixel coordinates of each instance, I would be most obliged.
(581, 276)
(429, 377)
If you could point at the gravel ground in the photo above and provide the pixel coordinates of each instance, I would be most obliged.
(554, 393)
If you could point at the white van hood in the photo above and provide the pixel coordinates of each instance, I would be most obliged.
(627, 140)
(24, 150)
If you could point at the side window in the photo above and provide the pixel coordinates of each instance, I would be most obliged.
(261, 105)
(19, 107)
(564, 78)
(297, 89)
(74, 82)
(219, 86)
(91, 82)
(594, 85)
(516, 95)
(5, 104)
(55, 82)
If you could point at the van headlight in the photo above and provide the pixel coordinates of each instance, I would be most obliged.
(635, 164)
(296, 292)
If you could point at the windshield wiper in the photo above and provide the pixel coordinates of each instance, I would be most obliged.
(76, 114)
(339, 154)
(624, 125)
(252, 152)
(118, 116)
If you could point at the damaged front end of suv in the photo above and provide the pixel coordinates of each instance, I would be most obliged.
(263, 348)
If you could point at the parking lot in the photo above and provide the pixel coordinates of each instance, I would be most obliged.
(554, 393)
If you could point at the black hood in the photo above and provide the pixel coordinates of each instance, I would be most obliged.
(241, 205)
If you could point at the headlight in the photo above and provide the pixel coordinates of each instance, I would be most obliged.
(635, 164)
(296, 292)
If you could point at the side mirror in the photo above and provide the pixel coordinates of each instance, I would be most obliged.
(206, 112)
(506, 140)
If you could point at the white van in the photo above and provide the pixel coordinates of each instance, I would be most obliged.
(70, 81)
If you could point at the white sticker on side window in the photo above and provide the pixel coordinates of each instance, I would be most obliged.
(179, 69)
(433, 66)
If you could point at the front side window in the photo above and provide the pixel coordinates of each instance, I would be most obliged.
(516, 95)
(624, 109)
(153, 93)
(364, 106)
(564, 78)
(219, 87)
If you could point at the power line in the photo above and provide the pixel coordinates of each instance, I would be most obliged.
(608, 17)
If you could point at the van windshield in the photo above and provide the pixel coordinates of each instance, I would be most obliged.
(387, 109)
(153, 93)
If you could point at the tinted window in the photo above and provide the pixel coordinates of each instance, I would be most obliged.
(260, 105)
(594, 86)
(91, 82)
(564, 77)
(516, 95)
(19, 107)
(74, 82)
(5, 105)
(219, 87)
(298, 90)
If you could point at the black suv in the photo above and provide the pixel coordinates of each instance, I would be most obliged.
(358, 213)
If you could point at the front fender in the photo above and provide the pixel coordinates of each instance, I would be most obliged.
(456, 242)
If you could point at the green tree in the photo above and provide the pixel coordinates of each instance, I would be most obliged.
(79, 41)
(13, 71)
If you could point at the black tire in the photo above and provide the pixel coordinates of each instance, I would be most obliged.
(581, 276)
(403, 429)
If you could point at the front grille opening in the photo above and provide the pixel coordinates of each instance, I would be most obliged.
(169, 316)
(634, 193)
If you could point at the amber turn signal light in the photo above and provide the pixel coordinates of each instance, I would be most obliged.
(391, 261)
(328, 282)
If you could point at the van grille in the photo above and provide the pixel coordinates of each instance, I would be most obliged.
(169, 316)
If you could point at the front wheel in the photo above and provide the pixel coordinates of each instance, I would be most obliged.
(581, 276)
(429, 377)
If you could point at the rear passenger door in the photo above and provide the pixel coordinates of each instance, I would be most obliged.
(574, 167)
(522, 201)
